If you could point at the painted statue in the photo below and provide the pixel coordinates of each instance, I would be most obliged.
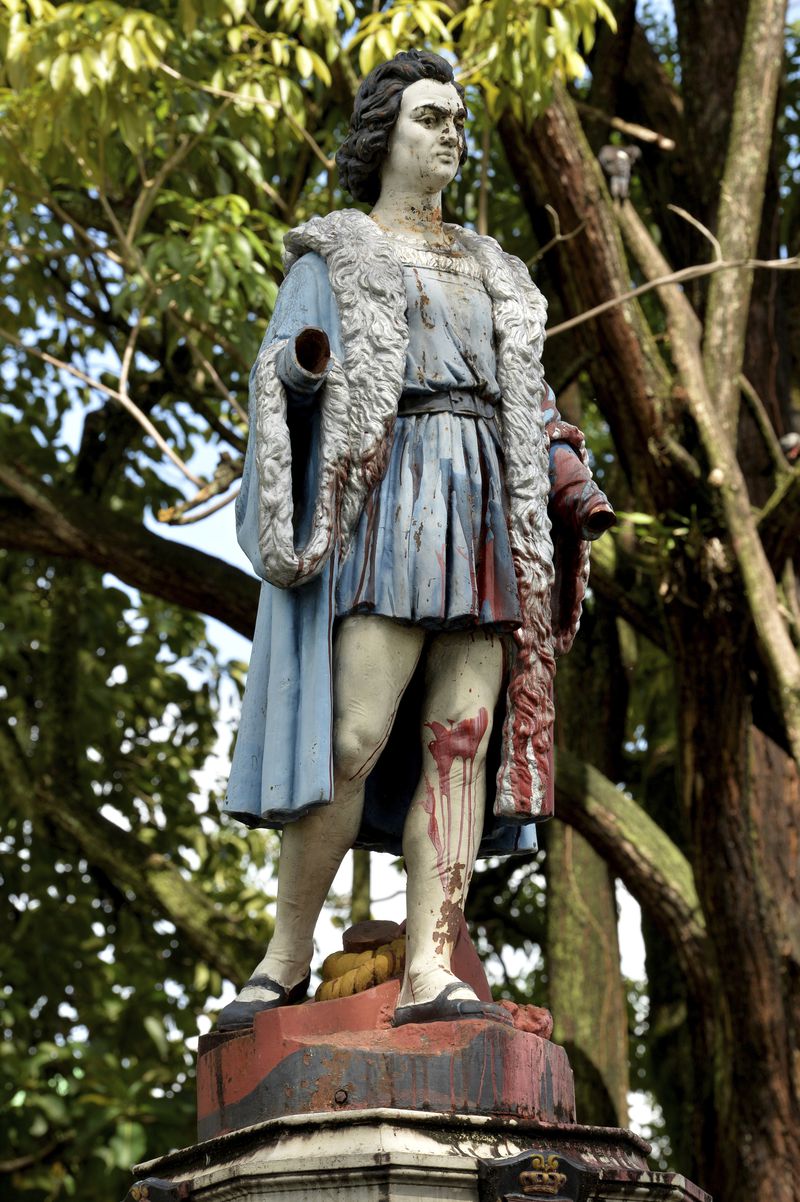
(419, 515)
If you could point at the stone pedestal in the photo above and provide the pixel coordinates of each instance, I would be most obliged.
(410, 1156)
(344, 1056)
(327, 1102)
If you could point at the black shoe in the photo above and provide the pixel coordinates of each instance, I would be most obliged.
(445, 1009)
(238, 1016)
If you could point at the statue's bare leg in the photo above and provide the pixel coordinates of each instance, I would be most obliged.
(374, 660)
(444, 824)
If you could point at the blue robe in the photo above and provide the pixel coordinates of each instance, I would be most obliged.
(282, 765)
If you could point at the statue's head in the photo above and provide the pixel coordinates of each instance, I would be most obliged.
(364, 153)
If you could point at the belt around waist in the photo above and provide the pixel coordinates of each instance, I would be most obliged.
(462, 402)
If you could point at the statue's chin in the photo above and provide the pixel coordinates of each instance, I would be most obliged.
(440, 174)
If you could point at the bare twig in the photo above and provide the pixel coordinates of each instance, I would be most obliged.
(631, 128)
(764, 424)
(120, 397)
(274, 196)
(464, 76)
(677, 277)
(219, 383)
(779, 520)
(698, 225)
(18, 1163)
(18, 251)
(183, 520)
(557, 237)
(67, 218)
(127, 355)
(103, 198)
(227, 471)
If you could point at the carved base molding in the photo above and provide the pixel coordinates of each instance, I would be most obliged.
(411, 1156)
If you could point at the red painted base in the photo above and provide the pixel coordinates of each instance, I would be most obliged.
(343, 1055)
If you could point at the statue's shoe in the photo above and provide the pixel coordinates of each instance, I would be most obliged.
(444, 1008)
(238, 1016)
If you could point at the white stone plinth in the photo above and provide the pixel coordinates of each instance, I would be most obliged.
(373, 1156)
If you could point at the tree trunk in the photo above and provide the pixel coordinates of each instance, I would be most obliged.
(361, 900)
(586, 992)
(742, 797)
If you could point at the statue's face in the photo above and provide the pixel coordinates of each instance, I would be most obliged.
(428, 136)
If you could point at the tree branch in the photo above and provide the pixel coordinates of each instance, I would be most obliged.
(778, 651)
(657, 874)
(631, 128)
(149, 877)
(742, 200)
(17, 1163)
(151, 187)
(552, 162)
(764, 424)
(779, 520)
(115, 395)
(44, 521)
(695, 272)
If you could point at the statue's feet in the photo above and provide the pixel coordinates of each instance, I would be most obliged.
(447, 1007)
(261, 992)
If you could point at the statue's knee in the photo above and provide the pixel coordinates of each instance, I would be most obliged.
(464, 735)
(355, 748)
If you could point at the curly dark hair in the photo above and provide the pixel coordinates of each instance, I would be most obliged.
(377, 104)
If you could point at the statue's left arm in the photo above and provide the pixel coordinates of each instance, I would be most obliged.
(576, 502)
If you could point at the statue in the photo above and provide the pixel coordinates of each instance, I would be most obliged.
(404, 448)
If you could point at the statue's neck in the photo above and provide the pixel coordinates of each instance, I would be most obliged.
(404, 211)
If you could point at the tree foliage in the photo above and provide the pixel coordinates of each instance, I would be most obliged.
(152, 159)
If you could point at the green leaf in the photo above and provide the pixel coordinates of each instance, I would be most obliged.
(60, 71)
(305, 63)
(129, 53)
(155, 1029)
(80, 72)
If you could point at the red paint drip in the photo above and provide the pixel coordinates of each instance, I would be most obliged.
(459, 741)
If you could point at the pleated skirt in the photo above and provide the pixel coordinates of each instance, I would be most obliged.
(432, 546)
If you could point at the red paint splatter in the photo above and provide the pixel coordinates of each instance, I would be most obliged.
(459, 741)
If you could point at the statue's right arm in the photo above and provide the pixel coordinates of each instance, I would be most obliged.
(306, 319)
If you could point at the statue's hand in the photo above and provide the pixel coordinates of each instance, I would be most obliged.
(313, 350)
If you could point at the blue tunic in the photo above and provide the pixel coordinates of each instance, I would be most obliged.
(440, 555)
(432, 546)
